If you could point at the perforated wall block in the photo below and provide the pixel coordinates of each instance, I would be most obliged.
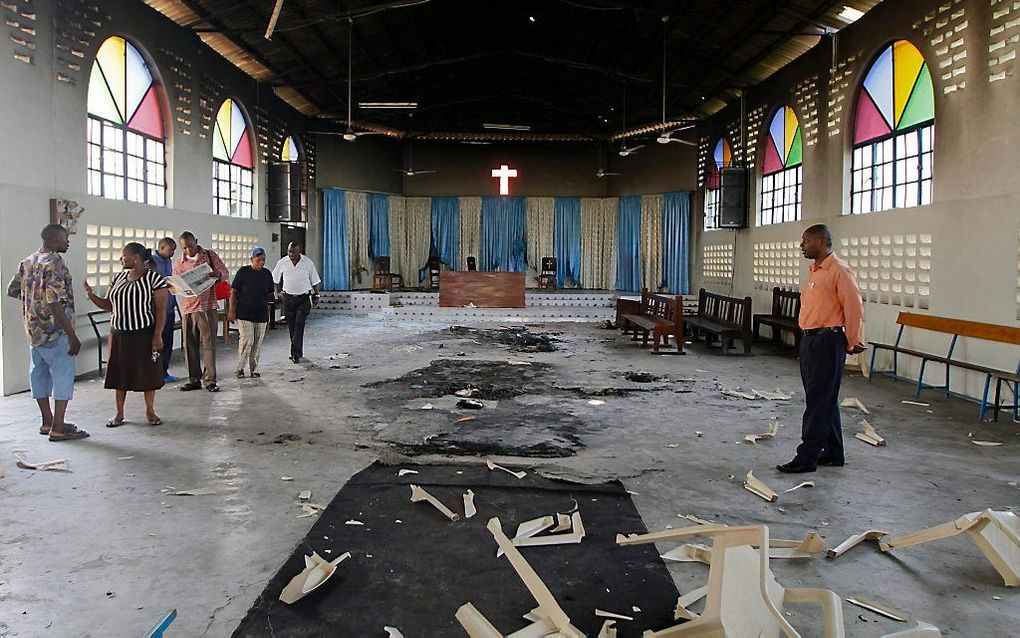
(805, 102)
(734, 137)
(891, 269)
(179, 78)
(234, 250)
(103, 246)
(777, 264)
(1003, 39)
(944, 28)
(717, 263)
(703, 154)
(840, 79)
(755, 119)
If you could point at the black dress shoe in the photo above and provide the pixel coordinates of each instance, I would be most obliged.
(827, 462)
(793, 467)
(191, 385)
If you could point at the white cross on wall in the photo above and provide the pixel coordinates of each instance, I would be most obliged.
(504, 173)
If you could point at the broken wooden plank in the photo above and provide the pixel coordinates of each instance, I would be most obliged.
(316, 572)
(469, 504)
(690, 553)
(492, 466)
(854, 541)
(878, 608)
(854, 402)
(418, 495)
(756, 486)
(61, 465)
(869, 435)
(800, 485)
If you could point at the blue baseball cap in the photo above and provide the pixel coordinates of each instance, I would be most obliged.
(258, 250)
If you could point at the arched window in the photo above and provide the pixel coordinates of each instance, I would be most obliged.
(782, 174)
(894, 132)
(290, 152)
(233, 163)
(722, 157)
(125, 141)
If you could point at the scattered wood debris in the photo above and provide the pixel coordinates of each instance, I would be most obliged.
(469, 504)
(854, 541)
(304, 495)
(800, 485)
(878, 608)
(205, 491)
(418, 495)
(920, 630)
(690, 553)
(918, 403)
(773, 430)
(754, 485)
(782, 548)
(986, 443)
(354, 522)
(854, 402)
(869, 435)
(492, 466)
(406, 472)
(695, 519)
(393, 632)
(316, 572)
(60, 465)
(739, 394)
(596, 402)
(465, 418)
(778, 395)
(608, 629)
(310, 509)
(609, 614)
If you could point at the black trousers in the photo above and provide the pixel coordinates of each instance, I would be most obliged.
(168, 340)
(822, 358)
(297, 307)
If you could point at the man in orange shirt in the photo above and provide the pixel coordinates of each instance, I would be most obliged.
(831, 316)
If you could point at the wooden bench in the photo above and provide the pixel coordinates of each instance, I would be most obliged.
(784, 315)
(727, 317)
(660, 318)
(631, 305)
(100, 318)
(957, 328)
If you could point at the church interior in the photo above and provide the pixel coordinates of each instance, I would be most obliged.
(562, 318)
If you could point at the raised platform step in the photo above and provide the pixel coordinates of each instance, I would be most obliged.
(522, 315)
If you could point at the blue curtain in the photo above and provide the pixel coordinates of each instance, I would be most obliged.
(446, 230)
(628, 244)
(567, 239)
(336, 267)
(503, 234)
(676, 241)
(378, 225)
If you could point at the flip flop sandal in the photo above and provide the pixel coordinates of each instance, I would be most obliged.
(70, 433)
(156, 421)
(45, 430)
(114, 423)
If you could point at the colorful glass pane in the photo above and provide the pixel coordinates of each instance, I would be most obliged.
(231, 138)
(121, 88)
(722, 156)
(783, 148)
(897, 93)
(289, 152)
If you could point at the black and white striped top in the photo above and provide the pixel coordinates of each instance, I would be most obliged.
(133, 306)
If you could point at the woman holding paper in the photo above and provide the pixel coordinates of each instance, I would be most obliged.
(137, 299)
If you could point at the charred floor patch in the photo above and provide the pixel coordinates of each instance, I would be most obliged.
(516, 338)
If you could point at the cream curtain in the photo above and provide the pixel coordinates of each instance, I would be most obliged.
(417, 238)
(598, 243)
(357, 232)
(397, 233)
(541, 223)
(470, 229)
(651, 242)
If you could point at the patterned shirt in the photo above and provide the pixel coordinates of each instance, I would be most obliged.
(207, 300)
(42, 279)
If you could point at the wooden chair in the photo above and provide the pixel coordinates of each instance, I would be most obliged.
(547, 277)
(382, 278)
(997, 535)
(472, 264)
(743, 598)
(433, 268)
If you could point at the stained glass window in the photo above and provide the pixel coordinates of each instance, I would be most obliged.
(233, 163)
(722, 157)
(894, 133)
(290, 152)
(782, 174)
(126, 153)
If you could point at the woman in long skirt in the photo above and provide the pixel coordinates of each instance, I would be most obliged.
(137, 299)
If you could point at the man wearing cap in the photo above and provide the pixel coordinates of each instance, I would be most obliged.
(249, 307)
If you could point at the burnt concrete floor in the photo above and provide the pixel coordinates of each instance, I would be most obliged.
(102, 550)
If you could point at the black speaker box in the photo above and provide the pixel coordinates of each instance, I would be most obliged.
(287, 192)
(733, 197)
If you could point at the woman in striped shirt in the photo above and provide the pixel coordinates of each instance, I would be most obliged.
(137, 299)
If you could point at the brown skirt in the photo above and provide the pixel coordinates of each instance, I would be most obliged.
(132, 365)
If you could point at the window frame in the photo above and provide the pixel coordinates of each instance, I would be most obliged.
(123, 132)
(924, 185)
(235, 201)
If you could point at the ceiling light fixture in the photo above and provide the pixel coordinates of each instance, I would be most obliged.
(850, 14)
(387, 105)
(506, 127)
(531, 18)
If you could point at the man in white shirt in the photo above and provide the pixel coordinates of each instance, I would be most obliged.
(298, 281)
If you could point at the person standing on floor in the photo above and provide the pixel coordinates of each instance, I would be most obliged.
(296, 278)
(162, 257)
(249, 305)
(200, 315)
(137, 299)
(831, 317)
(44, 286)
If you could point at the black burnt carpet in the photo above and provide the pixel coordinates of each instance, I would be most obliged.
(411, 568)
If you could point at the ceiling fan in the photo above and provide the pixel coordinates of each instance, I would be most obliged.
(409, 171)
(601, 173)
(629, 150)
(667, 136)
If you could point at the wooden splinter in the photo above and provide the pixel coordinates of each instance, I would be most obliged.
(418, 495)
(754, 485)
(492, 466)
(854, 541)
(869, 435)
